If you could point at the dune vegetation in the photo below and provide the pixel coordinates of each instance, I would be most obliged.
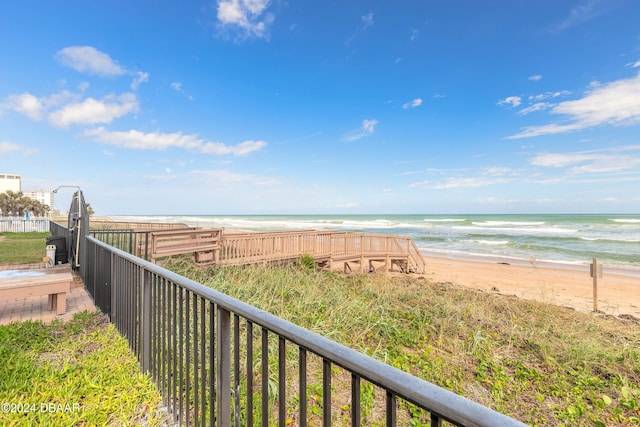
(539, 363)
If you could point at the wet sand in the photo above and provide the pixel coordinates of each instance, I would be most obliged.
(618, 294)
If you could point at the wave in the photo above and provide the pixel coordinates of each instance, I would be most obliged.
(493, 242)
(520, 230)
(606, 239)
(626, 220)
(444, 220)
(501, 223)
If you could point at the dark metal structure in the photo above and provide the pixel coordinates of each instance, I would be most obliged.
(78, 226)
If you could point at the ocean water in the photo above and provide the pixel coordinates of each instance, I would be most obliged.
(566, 239)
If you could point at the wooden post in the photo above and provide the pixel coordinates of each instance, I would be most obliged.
(596, 271)
(595, 284)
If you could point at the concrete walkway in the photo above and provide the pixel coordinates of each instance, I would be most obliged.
(36, 308)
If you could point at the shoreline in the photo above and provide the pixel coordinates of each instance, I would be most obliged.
(618, 294)
(618, 269)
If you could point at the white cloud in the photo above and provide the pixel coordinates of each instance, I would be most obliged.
(548, 95)
(8, 147)
(535, 78)
(601, 161)
(636, 65)
(413, 104)
(92, 111)
(223, 176)
(513, 101)
(60, 98)
(558, 160)
(161, 141)
(486, 177)
(460, 182)
(26, 104)
(87, 59)
(368, 127)
(71, 108)
(140, 77)
(616, 103)
(177, 86)
(248, 16)
(367, 21)
(585, 12)
(497, 171)
(535, 107)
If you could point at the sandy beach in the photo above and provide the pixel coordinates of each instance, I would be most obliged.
(617, 294)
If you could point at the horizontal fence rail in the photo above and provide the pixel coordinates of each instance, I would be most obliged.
(22, 225)
(218, 361)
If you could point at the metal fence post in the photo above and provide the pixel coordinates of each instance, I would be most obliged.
(114, 285)
(223, 374)
(145, 328)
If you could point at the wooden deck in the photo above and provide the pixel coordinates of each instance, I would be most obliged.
(331, 250)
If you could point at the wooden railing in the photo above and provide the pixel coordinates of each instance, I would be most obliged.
(216, 246)
(105, 223)
(203, 243)
(326, 247)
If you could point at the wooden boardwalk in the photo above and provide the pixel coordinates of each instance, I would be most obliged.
(357, 252)
(328, 248)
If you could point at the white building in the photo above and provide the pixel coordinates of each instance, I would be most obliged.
(10, 182)
(44, 197)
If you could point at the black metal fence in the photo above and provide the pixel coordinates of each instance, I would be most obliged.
(135, 242)
(218, 361)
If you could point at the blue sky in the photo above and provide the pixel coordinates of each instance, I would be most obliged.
(317, 107)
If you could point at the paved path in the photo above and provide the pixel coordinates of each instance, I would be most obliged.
(35, 308)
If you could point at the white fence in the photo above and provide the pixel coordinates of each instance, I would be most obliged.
(22, 225)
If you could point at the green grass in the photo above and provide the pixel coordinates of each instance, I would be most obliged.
(79, 372)
(22, 248)
(541, 364)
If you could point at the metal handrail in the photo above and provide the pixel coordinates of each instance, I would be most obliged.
(149, 288)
